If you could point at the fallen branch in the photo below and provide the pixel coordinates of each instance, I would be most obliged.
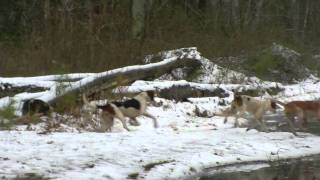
(181, 90)
(185, 57)
(149, 166)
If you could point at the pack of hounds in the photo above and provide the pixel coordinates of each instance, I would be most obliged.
(296, 112)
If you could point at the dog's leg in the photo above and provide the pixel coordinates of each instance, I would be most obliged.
(292, 127)
(225, 119)
(241, 111)
(155, 123)
(134, 122)
(120, 116)
(226, 113)
(252, 125)
(106, 121)
(236, 122)
(290, 114)
(290, 119)
(259, 118)
(304, 119)
(301, 118)
(263, 125)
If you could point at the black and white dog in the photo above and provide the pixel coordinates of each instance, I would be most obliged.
(109, 112)
(137, 106)
(131, 108)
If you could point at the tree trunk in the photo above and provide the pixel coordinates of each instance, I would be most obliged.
(138, 19)
(236, 13)
(91, 33)
(247, 19)
(257, 14)
(305, 20)
(295, 21)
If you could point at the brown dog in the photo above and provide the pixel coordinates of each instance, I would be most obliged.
(253, 106)
(302, 110)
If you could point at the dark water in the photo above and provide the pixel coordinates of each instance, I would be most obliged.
(305, 169)
(297, 169)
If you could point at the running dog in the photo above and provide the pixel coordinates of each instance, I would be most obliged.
(302, 110)
(131, 108)
(137, 106)
(109, 112)
(252, 105)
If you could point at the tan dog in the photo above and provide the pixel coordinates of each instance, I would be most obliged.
(251, 105)
(302, 110)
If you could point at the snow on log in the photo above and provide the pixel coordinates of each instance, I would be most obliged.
(13, 85)
(109, 79)
(181, 90)
(187, 57)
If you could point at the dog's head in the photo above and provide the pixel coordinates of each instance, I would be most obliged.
(107, 108)
(151, 95)
(148, 95)
(273, 106)
(238, 100)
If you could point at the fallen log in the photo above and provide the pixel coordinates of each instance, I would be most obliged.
(182, 90)
(9, 86)
(185, 57)
(9, 90)
(113, 78)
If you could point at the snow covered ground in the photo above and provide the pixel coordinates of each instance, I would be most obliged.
(184, 145)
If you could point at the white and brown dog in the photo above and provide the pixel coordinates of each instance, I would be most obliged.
(254, 106)
(131, 108)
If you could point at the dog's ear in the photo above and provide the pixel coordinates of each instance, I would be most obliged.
(238, 100)
(273, 104)
(151, 95)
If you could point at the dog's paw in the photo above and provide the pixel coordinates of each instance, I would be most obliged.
(134, 123)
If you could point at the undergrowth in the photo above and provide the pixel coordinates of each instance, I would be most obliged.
(7, 116)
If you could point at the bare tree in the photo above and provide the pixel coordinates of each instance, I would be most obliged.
(138, 19)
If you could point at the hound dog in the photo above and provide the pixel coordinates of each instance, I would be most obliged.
(109, 112)
(131, 108)
(302, 110)
(137, 106)
(252, 105)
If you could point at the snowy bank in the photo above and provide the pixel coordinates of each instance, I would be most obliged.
(183, 146)
(119, 155)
